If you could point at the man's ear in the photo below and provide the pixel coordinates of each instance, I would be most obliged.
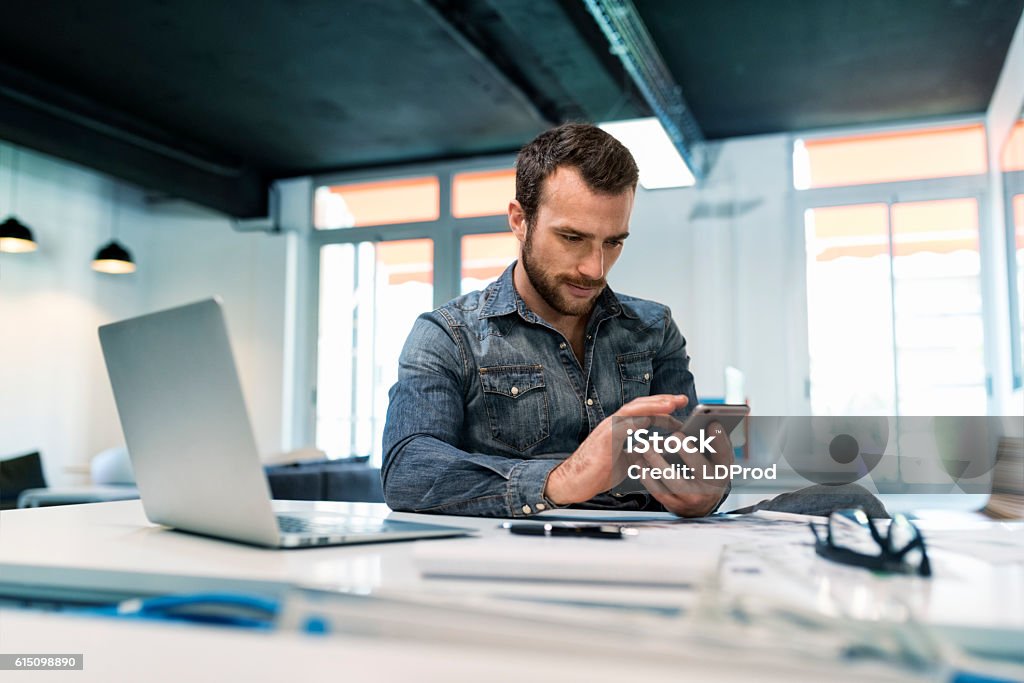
(517, 220)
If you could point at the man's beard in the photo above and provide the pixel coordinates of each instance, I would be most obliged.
(548, 285)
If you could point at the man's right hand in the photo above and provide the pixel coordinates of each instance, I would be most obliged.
(598, 465)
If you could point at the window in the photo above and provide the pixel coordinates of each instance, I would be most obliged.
(940, 359)
(889, 157)
(485, 257)
(895, 316)
(894, 294)
(359, 205)
(370, 295)
(852, 364)
(483, 193)
(385, 251)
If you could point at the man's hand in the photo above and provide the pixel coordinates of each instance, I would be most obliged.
(598, 464)
(698, 496)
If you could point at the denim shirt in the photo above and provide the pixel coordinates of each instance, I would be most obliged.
(490, 398)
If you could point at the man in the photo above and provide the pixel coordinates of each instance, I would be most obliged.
(505, 397)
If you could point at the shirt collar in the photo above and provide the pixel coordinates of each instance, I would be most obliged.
(501, 298)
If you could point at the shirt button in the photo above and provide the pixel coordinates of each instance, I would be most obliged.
(590, 401)
(514, 391)
(541, 507)
(562, 345)
(647, 375)
(589, 337)
(527, 509)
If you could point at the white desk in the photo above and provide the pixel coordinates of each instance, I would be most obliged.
(129, 651)
(112, 548)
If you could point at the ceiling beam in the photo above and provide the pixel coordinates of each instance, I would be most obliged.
(629, 39)
(53, 120)
(456, 16)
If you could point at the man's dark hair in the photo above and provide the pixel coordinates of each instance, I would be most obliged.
(603, 162)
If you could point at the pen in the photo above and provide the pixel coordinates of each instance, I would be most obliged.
(577, 530)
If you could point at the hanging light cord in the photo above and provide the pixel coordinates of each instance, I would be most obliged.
(13, 185)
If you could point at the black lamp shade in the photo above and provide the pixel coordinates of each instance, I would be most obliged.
(16, 237)
(113, 258)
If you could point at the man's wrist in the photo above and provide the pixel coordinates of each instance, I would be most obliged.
(555, 487)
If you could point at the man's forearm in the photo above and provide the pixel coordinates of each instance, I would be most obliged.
(425, 474)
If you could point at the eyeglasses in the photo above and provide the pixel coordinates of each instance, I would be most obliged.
(853, 538)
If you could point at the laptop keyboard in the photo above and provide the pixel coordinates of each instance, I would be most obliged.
(301, 525)
(290, 524)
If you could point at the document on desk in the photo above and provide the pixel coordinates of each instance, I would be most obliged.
(679, 554)
(1000, 543)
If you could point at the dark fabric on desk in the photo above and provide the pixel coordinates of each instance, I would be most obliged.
(326, 480)
(822, 500)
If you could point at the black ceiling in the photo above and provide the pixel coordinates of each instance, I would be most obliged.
(749, 66)
(212, 100)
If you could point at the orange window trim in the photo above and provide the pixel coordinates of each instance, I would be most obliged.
(407, 261)
(407, 200)
(897, 156)
(937, 226)
(482, 193)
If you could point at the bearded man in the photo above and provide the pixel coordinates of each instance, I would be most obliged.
(506, 398)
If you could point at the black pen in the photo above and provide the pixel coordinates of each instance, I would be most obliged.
(577, 530)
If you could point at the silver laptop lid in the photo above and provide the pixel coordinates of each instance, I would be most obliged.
(185, 423)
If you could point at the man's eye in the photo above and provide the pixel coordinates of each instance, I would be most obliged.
(572, 238)
(614, 243)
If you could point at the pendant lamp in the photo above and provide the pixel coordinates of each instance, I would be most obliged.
(113, 258)
(15, 236)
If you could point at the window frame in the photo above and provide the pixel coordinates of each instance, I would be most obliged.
(1013, 185)
(446, 233)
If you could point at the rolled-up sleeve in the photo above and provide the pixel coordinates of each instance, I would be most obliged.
(424, 469)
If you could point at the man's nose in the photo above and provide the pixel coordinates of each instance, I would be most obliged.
(592, 265)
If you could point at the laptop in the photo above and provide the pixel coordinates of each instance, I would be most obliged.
(191, 443)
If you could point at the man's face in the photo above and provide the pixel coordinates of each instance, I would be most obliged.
(576, 238)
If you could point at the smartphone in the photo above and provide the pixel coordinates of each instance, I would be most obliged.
(729, 415)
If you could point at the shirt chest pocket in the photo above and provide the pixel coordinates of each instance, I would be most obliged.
(635, 373)
(516, 398)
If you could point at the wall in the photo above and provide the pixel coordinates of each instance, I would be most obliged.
(54, 393)
(194, 254)
(728, 258)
